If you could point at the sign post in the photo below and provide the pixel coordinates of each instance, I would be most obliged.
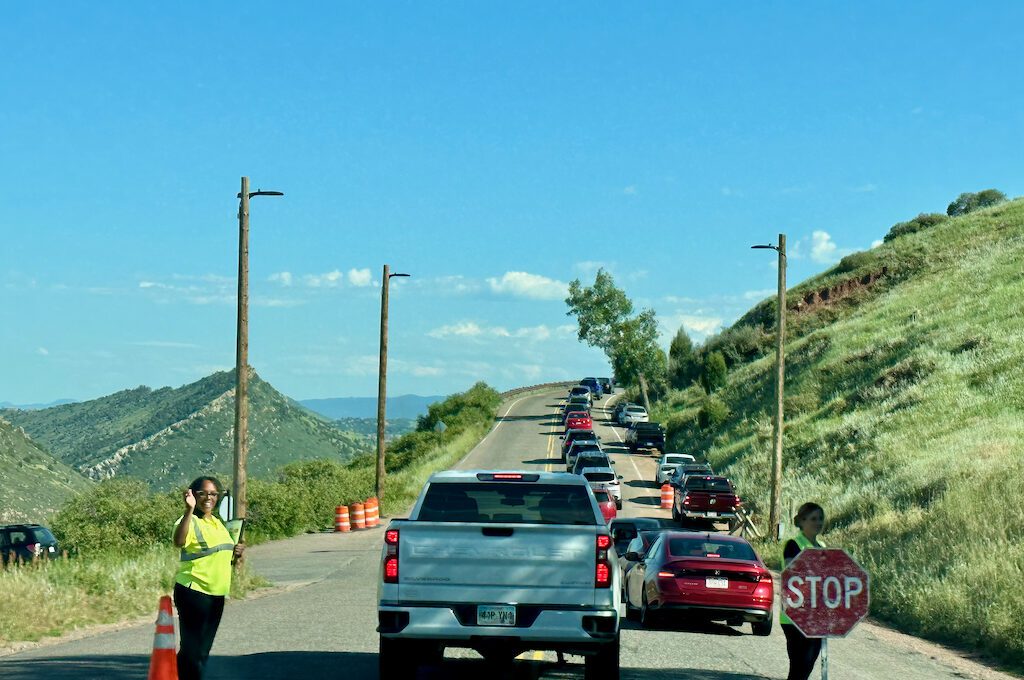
(825, 593)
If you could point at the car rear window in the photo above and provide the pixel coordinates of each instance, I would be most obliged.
(706, 484)
(599, 476)
(507, 503)
(699, 547)
(592, 461)
(635, 409)
(602, 496)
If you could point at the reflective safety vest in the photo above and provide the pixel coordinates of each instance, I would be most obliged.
(803, 543)
(204, 563)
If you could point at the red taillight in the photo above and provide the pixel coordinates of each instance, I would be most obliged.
(686, 500)
(603, 572)
(666, 574)
(507, 475)
(391, 556)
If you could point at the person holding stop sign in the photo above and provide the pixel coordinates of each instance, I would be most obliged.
(803, 651)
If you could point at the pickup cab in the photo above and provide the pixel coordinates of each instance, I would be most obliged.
(705, 497)
(502, 563)
(645, 436)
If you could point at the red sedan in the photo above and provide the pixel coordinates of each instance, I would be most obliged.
(709, 577)
(579, 420)
(607, 505)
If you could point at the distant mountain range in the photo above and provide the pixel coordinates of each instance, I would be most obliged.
(169, 436)
(405, 406)
(33, 407)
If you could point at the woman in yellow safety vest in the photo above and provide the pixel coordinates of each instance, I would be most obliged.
(803, 651)
(203, 579)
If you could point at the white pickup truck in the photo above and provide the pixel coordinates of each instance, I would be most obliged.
(499, 562)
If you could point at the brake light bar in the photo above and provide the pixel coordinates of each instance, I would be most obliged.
(507, 476)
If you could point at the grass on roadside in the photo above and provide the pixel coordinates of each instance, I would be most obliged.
(52, 597)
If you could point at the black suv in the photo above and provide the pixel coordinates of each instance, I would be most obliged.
(26, 542)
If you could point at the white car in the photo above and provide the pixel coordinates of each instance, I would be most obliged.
(633, 414)
(604, 478)
(668, 464)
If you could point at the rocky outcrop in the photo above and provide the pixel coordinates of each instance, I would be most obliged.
(825, 296)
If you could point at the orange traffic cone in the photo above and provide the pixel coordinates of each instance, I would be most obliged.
(163, 664)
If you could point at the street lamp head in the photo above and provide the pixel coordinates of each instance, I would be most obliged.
(260, 192)
(390, 275)
(766, 246)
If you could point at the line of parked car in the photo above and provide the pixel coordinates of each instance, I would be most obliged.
(581, 447)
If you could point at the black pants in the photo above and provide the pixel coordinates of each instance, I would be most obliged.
(803, 652)
(199, 617)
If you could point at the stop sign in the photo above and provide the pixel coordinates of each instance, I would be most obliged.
(825, 592)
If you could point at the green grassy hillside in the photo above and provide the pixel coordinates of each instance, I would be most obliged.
(905, 420)
(34, 483)
(169, 436)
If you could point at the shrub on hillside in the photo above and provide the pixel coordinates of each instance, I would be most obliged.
(855, 261)
(713, 373)
(321, 485)
(969, 202)
(919, 223)
(713, 413)
(274, 511)
(462, 410)
(739, 344)
(117, 516)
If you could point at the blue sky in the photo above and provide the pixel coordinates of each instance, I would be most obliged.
(493, 151)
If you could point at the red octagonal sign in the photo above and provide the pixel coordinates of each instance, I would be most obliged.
(825, 592)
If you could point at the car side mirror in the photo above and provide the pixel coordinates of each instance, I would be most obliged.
(632, 557)
(620, 476)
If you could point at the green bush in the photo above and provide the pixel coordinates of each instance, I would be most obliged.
(275, 511)
(118, 515)
(738, 344)
(713, 412)
(969, 202)
(922, 221)
(321, 485)
(461, 411)
(714, 372)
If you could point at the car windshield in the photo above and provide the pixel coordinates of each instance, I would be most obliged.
(507, 503)
(708, 484)
(700, 547)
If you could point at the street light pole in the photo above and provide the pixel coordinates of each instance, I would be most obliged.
(241, 434)
(775, 513)
(382, 376)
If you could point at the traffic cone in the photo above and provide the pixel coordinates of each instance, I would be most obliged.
(163, 664)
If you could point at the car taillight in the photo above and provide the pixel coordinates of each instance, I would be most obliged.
(391, 556)
(603, 571)
(686, 500)
(666, 574)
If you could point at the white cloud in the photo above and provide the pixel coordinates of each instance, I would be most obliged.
(284, 278)
(277, 302)
(823, 248)
(758, 295)
(875, 244)
(329, 280)
(630, 190)
(367, 364)
(464, 329)
(473, 330)
(359, 277)
(42, 351)
(532, 286)
(590, 267)
(697, 326)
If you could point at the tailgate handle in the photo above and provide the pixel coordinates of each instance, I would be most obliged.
(497, 531)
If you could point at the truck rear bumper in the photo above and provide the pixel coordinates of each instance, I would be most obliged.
(536, 629)
(709, 514)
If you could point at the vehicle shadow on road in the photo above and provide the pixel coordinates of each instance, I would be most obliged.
(474, 669)
(646, 500)
(541, 461)
(642, 484)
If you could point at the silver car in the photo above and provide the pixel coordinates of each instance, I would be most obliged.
(668, 464)
(606, 479)
(633, 414)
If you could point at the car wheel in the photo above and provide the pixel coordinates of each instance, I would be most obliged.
(647, 616)
(762, 628)
(604, 665)
(618, 504)
(396, 659)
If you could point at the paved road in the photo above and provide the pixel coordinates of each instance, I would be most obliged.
(319, 622)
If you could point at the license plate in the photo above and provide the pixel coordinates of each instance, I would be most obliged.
(52, 549)
(712, 514)
(713, 582)
(495, 615)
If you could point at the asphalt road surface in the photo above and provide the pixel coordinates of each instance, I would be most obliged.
(319, 620)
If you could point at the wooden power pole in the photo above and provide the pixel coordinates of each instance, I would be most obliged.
(775, 517)
(382, 378)
(242, 355)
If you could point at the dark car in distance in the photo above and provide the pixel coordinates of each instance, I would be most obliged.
(26, 542)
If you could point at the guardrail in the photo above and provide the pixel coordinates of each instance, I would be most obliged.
(519, 390)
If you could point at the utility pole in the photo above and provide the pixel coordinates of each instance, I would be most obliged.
(382, 378)
(241, 448)
(775, 512)
(242, 354)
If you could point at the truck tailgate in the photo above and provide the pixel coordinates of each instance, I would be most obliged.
(501, 563)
